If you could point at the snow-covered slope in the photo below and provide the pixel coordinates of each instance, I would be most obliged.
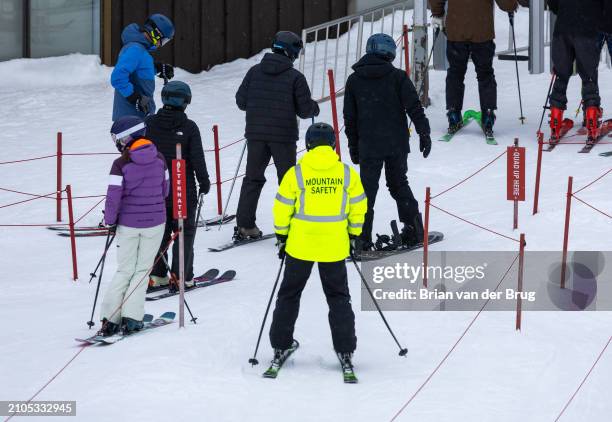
(201, 373)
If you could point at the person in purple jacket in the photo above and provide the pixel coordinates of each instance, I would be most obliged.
(136, 208)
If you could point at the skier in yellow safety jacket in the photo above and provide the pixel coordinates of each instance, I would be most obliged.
(319, 211)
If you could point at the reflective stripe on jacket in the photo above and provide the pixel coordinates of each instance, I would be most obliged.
(319, 203)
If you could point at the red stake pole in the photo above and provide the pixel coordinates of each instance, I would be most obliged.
(519, 287)
(426, 235)
(536, 195)
(218, 170)
(58, 185)
(75, 271)
(406, 47)
(332, 94)
(568, 208)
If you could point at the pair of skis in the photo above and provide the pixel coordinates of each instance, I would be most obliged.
(277, 363)
(209, 278)
(468, 117)
(149, 323)
(95, 231)
(568, 124)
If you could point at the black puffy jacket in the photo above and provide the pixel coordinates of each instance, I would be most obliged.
(577, 17)
(376, 100)
(273, 93)
(607, 18)
(169, 127)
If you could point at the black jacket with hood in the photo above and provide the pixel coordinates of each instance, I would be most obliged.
(377, 98)
(273, 93)
(169, 127)
(578, 17)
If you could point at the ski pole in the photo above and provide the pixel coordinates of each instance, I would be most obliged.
(436, 34)
(193, 319)
(578, 109)
(518, 80)
(253, 361)
(109, 241)
(199, 212)
(232, 187)
(403, 351)
(546, 107)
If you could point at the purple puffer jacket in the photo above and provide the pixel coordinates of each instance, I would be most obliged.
(137, 188)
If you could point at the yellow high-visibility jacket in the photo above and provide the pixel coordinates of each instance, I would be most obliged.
(319, 203)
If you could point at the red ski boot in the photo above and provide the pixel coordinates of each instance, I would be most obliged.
(556, 124)
(593, 123)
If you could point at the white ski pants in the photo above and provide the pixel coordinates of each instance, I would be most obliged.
(136, 252)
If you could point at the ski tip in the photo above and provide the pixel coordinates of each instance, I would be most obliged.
(168, 315)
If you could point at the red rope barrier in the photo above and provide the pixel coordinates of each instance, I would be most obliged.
(584, 379)
(27, 159)
(34, 225)
(28, 200)
(474, 224)
(26, 193)
(588, 185)
(89, 211)
(76, 154)
(592, 207)
(453, 347)
(470, 176)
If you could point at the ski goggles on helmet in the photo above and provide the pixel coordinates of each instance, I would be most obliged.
(124, 138)
(157, 37)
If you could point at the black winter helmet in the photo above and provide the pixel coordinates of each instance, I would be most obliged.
(176, 94)
(287, 43)
(320, 134)
(382, 45)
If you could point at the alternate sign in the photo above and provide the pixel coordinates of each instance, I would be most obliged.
(516, 174)
(179, 189)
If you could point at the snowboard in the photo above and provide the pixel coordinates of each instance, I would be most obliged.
(364, 256)
(234, 244)
(215, 221)
(467, 118)
(275, 366)
(207, 276)
(199, 282)
(149, 323)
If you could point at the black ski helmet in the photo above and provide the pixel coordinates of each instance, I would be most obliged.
(287, 43)
(176, 94)
(320, 134)
(382, 45)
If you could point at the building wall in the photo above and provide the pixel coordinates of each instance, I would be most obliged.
(209, 32)
(356, 6)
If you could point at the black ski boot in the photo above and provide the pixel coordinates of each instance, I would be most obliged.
(130, 325)
(280, 356)
(241, 233)
(412, 234)
(455, 121)
(488, 120)
(108, 328)
(346, 361)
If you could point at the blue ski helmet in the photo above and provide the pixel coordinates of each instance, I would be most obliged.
(320, 134)
(176, 94)
(127, 129)
(287, 43)
(160, 29)
(382, 45)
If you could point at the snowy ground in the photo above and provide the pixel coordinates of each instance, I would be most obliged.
(201, 373)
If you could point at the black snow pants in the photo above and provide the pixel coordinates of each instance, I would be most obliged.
(258, 158)
(585, 50)
(335, 287)
(458, 54)
(189, 226)
(396, 167)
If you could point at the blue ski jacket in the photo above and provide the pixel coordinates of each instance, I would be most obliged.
(134, 72)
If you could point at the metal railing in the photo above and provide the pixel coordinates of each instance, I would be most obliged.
(339, 44)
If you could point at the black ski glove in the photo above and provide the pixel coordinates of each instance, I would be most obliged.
(204, 187)
(141, 102)
(281, 242)
(425, 145)
(354, 240)
(354, 153)
(112, 228)
(164, 71)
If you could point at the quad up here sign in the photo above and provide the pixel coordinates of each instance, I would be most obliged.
(515, 190)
